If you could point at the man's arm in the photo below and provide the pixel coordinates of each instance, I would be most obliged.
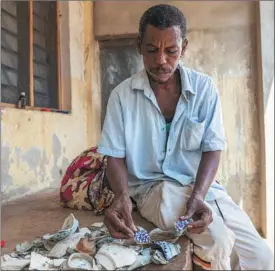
(206, 173)
(117, 176)
(212, 144)
(118, 217)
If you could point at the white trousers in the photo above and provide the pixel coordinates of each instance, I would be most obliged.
(166, 202)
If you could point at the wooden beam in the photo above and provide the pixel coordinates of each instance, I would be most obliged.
(7, 105)
(59, 86)
(31, 89)
(260, 98)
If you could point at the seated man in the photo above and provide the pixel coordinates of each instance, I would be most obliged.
(162, 136)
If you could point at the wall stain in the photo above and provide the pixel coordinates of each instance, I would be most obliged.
(6, 178)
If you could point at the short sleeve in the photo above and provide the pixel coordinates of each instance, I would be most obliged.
(214, 136)
(112, 142)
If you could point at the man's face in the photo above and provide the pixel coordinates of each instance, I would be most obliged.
(161, 51)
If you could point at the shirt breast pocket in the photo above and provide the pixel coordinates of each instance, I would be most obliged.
(192, 134)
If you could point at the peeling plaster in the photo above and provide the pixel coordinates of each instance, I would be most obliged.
(38, 146)
(6, 178)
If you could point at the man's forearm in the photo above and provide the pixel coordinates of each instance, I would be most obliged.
(206, 173)
(117, 176)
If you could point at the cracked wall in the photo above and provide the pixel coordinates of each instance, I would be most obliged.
(38, 146)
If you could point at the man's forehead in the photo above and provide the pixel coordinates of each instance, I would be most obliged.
(170, 35)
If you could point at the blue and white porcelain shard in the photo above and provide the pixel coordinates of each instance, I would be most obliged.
(181, 225)
(23, 247)
(142, 236)
(69, 227)
(158, 258)
(143, 258)
(169, 250)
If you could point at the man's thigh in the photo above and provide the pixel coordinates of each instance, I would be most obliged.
(165, 203)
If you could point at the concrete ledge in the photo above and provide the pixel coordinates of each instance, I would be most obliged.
(38, 214)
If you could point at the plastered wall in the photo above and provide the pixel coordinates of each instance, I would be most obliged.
(38, 146)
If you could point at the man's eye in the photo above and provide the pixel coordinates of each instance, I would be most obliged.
(151, 50)
(172, 52)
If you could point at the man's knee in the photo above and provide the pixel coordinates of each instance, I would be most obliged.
(222, 240)
(263, 256)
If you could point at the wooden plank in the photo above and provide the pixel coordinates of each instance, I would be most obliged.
(7, 105)
(8, 22)
(8, 41)
(41, 71)
(59, 86)
(39, 39)
(8, 13)
(9, 59)
(39, 54)
(9, 6)
(31, 52)
(9, 94)
(40, 86)
(8, 76)
(263, 202)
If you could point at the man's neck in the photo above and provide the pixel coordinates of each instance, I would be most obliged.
(172, 85)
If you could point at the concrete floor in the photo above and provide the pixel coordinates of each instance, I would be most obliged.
(38, 214)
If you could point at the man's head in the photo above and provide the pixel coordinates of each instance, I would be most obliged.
(162, 41)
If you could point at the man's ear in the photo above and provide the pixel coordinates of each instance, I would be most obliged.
(184, 46)
(139, 44)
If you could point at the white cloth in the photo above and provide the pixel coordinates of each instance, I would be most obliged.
(166, 202)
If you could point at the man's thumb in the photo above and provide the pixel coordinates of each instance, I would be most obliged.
(189, 213)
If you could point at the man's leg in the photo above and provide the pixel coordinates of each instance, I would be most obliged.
(166, 202)
(253, 252)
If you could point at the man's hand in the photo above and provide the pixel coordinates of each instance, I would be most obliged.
(201, 214)
(118, 218)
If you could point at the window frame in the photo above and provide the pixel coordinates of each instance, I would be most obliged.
(31, 105)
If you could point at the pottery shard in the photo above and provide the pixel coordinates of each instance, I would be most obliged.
(86, 246)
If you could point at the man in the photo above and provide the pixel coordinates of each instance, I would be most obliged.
(163, 135)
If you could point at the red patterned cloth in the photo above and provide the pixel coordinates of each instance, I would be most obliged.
(84, 185)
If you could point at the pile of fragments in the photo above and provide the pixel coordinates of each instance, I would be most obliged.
(92, 248)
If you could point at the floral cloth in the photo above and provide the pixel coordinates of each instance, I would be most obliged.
(84, 185)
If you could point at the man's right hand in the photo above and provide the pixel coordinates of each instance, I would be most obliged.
(118, 218)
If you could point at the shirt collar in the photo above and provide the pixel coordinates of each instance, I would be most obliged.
(140, 81)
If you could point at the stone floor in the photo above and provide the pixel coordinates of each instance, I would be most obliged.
(38, 214)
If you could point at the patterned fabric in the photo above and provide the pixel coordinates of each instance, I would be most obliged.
(84, 185)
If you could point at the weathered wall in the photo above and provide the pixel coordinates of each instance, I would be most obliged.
(38, 146)
(222, 44)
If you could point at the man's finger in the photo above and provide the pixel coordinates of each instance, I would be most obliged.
(207, 217)
(116, 234)
(190, 212)
(120, 226)
(129, 221)
(197, 224)
(196, 230)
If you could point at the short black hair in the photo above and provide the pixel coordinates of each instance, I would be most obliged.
(162, 16)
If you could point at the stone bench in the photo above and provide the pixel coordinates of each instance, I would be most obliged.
(38, 214)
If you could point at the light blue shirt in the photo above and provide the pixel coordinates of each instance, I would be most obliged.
(135, 129)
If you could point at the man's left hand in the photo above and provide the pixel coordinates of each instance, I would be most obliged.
(200, 212)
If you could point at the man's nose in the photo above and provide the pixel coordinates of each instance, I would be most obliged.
(160, 58)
